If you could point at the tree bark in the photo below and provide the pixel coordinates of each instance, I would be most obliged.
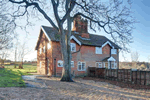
(66, 72)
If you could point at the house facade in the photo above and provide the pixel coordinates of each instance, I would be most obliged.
(94, 50)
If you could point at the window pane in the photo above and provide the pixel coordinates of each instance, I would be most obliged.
(79, 67)
(73, 46)
(83, 66)
(72, 63)
(60, 63)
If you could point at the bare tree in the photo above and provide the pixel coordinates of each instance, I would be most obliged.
(113, 17)
(7, 27)
(134, 58)
(16, 44)
(23, 50)
(3, 55)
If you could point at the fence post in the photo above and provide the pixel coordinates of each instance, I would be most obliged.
(136, 76)
(131, 75)
(140, 77)
(88, 71)
(117, 74)
(105, 74)
(124, 75)
(145, 77)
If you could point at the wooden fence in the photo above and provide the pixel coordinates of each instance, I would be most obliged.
(125, 75)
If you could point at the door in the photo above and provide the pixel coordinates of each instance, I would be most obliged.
(47, 66)
(54, 67)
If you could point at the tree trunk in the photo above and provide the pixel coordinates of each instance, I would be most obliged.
(66, 72)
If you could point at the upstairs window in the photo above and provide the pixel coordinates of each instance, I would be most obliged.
(48, 45)
(40, 64)
(40, 50)
(44, 49)
(81, 66)
(113, 51)
(98, 64)
(60, 63)
(73, 47)
(98, 50)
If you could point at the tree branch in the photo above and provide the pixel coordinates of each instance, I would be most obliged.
(38, 7)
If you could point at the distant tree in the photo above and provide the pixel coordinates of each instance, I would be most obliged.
(3, 55)
(134, 58)
(22, 52)
(114, 17)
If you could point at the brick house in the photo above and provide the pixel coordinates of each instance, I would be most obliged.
(95, 50)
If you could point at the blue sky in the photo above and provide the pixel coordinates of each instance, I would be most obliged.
(141, 33)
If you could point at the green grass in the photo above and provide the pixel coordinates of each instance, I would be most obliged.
(9, 78)
(27, 68)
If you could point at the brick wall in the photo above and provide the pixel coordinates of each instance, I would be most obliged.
(86, 54)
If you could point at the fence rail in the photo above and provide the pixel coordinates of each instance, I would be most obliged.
(125, 75)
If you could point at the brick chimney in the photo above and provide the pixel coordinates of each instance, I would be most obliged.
(80, 25)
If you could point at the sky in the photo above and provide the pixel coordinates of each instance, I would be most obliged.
(141, 36)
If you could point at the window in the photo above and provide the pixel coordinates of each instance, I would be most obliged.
(44, 49)
(48, 45)
(40, 64)
(73, 47)
(98, 50)
(113, 51)
(40, 50)
(72, 63)
(60, 63)
(99, 64)
(105, 64)
(81, 66)
(113, 65)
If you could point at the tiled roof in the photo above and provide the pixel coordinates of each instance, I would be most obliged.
(94, 40)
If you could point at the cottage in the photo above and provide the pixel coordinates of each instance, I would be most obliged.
(95, 50)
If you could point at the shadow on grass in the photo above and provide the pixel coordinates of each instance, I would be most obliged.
(11, 78)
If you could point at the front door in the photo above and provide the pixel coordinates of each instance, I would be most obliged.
(47, 66)
(54, 67)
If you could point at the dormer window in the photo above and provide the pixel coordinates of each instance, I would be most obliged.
(48, 45)
(98, 50)
(44, 49)
(73, 47)
(40, 50)
(113, 51)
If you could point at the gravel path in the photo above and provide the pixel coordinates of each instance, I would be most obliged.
(52, 89)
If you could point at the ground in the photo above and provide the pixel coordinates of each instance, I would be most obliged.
(50, 88)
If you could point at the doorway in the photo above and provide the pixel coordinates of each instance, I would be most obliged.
(47, 66)
(54, 67)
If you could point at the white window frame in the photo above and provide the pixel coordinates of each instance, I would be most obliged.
(113, 51)
(40, 64)
(72, 63)
(98, 50)
(59, 61)
(73, 45)
(44, 49)
(81, 66)
(48, 46)
(107, 66)
(99, 64)
(40, 50)
(113, 67)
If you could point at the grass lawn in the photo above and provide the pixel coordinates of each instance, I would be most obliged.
(26, 68)
(9, 78)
